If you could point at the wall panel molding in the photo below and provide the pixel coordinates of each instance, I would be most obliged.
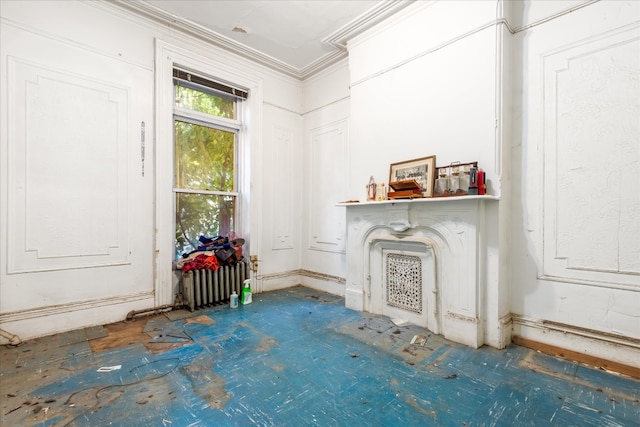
(282, 157)
(328, 182)
(591, 155)
(65, 213)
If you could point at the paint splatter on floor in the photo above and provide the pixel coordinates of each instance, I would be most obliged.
(295, 357)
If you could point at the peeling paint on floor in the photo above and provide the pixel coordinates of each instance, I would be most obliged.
(205, 383)
(296, 357)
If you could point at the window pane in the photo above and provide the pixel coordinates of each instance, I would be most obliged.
(201, 215)
(204, 158)
(205, 102)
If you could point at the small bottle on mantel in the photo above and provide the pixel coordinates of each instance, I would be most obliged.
(371, 190)
(381, 192)
(233, 302)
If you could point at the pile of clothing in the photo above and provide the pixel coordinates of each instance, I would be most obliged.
(212, 253)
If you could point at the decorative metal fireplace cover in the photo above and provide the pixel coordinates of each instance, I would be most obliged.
(404, 282)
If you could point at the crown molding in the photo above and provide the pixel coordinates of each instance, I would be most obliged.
(156, 14)
(336, 40)
(339, 38)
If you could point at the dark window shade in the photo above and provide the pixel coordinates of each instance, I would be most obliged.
(189, 79)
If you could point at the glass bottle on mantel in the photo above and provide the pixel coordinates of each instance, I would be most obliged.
(371, 190)
(464, 179)
(442, 183)
(454, 180)
(381, 192)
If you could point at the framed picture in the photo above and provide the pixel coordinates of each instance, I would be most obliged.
(423, 170)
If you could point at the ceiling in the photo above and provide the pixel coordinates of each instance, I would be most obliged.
(296, 37)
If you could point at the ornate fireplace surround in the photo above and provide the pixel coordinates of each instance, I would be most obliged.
(422, 261)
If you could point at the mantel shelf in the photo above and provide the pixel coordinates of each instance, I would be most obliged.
(423, 200)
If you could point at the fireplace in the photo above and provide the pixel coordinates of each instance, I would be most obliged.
(422, 261)
(401, 280)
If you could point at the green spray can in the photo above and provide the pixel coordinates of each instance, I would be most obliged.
(245, 298)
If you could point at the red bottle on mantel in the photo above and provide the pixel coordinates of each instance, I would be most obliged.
(477, 185)
(482, 188)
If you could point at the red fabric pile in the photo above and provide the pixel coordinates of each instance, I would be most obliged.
(200, 262)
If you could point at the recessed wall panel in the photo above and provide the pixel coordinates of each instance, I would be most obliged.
(67, 195)
(283, 179)
(327, 187)
(592, 158)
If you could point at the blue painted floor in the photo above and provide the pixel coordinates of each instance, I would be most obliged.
(296, 357)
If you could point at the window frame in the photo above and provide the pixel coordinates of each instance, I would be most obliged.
(225, 68)
(211, 121)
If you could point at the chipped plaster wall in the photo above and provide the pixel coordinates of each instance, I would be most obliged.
(76, 42)
(432, 81)
(575, 239)
(567, 258)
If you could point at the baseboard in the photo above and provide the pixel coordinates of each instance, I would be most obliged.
(43, 321)
(462, 329)
(323, 282)
(311, 279)
(39, 312)
(498, 334)
(563, 353)
(602, 350)
(276, 281)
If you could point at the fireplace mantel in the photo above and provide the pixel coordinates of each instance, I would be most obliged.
(448, 235)
(453, 199)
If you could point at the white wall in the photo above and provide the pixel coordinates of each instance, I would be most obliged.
(575, 240)
(325, 162)
(60, 182)
(449, 79)
(425, 85)
(283, 196)
(430, 82)
(76, 218)
(306, 170)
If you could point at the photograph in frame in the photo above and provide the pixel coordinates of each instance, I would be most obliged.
(422, 170)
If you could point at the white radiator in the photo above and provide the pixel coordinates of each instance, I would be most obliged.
(205, 288)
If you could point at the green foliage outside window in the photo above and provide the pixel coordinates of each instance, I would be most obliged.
(201, 214)
(205, 102)
(204, 161)
(204, 158)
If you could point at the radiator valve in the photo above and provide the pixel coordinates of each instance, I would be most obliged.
(254, 262)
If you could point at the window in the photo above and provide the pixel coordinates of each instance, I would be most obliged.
(207, 131)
